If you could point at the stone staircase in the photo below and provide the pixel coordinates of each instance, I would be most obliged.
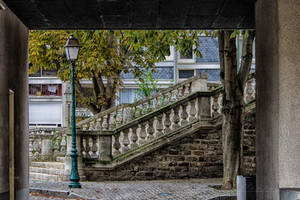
(124, 133)
(48, 171)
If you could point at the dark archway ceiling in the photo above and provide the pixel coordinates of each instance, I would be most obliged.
(134, 14)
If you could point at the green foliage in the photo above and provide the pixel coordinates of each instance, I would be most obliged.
(106, 54)
(147, 85)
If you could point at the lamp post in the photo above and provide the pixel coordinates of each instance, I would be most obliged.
(72, 48)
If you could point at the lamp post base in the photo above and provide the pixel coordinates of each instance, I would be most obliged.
(74, 185)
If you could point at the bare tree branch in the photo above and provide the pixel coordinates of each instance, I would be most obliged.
(221, 54)
(246, 58)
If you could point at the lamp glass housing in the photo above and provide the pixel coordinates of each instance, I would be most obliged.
(72, 48)
(72, 53)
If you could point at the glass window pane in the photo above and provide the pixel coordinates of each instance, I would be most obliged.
(186, 73)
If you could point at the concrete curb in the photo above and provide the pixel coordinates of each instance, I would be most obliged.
(57, 193)
(224, 198)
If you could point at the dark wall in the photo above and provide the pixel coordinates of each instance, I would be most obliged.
(13, 75)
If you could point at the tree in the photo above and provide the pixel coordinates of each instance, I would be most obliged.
(147, 86)
(105, 55)
(234, 81)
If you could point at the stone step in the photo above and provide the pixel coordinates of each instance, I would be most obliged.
(49, 171)
(53, 165)
(45, 177)
(60, 159)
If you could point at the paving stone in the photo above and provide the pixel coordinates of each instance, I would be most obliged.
(187, 189)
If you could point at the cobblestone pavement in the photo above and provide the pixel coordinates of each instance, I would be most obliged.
(192, 189)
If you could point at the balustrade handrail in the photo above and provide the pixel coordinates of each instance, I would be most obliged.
(142, 101)
(155, 112)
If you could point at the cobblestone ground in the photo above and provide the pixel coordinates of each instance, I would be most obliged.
(139, 190)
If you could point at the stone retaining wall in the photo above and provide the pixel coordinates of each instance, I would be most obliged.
(196, 156)
(249, 159)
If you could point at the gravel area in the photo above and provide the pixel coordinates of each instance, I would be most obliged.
(137, 190)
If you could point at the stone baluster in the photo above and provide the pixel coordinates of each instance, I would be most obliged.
(186, 90)
(176, 118)
(180, 93)
(159, 126)
(215, 105)
(158, 98)
(183, 115)
(88, 125)
(63, 144)
(150, 105)
(169, 97)
(141, 110)
(111, 121)
(125, 140)
(142, 133)
(90, 146)
(193, 111)
(136, 111)
(166, 99)
(91, 125)
(93, 147)
(56, 145)
(145, 108)
(154, 103)
(176, 94)
(134, 137)
(119, 118)
(167, 122)
(99, 123)
(116, 144)
(84, 150)
(105, 123)
(250, 91)
(84, 127)
(162, 100)
(150, 130)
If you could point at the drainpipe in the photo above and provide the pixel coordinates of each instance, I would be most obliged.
(175, 66)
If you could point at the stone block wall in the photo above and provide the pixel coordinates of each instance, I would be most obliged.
(196, 156)
(249, 159)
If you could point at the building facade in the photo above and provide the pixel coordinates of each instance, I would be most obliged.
(48, 100)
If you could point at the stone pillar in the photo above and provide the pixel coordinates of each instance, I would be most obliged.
(278, 97)
(105, 152)
(13, 75)
(200, 84)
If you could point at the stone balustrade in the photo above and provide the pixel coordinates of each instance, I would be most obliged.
(217, 95)
(107, 145)
(45, 144)
(124, 113)
(125, 130)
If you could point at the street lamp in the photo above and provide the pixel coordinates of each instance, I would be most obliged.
(72, 48)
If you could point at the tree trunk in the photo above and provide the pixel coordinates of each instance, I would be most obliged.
(232, 112)
(233, 102)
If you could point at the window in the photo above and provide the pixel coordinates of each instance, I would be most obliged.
(186, 56)
(45, 89)
(184, 74)
(45, 113)
(127, 95)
